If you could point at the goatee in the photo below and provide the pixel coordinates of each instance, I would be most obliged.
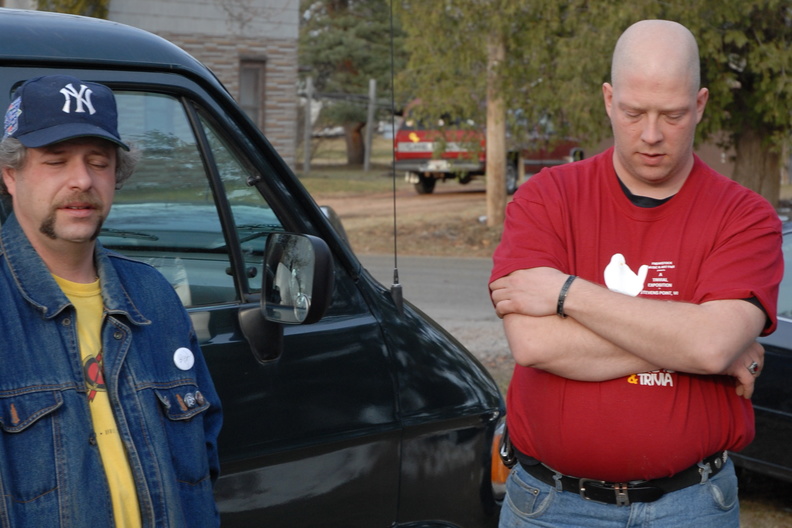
(47, 227)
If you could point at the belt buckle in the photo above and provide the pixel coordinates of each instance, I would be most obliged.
(619, 489)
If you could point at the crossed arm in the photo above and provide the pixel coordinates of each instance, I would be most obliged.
(609, 335)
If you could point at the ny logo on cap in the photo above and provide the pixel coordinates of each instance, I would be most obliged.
(83, 97)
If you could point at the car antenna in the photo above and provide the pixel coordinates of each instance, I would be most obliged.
(396, 287)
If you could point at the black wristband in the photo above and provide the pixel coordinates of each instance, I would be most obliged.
(562, 296)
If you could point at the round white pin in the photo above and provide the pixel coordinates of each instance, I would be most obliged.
(184, 358)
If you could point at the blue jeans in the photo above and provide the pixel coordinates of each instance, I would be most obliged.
(710, 504)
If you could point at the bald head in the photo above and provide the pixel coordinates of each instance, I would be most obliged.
(654, 103)
(657, 48)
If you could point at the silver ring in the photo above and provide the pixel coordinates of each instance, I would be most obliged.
(753, 368)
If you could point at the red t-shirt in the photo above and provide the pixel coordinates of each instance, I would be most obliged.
(713, 240)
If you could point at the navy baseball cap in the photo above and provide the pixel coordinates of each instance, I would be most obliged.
(54, 108)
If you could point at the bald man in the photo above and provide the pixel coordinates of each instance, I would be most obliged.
(632, 287)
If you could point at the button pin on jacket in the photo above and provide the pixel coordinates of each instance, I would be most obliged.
(182, 405)
(184, 358)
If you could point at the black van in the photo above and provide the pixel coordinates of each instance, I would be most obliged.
(341, 409)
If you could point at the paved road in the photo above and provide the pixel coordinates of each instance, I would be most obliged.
(453, 292)
(446, 288)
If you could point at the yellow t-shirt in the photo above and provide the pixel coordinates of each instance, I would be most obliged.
(87, 299)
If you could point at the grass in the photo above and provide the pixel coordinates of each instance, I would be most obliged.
(330, 175)
(332, 151)
(342, 180)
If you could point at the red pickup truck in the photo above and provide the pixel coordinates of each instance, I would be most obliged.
(427, 155)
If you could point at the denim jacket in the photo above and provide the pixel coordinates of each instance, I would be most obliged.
(168, 412)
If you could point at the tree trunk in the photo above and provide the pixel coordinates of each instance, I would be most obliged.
(756, 166)
(496, 134)
(354, 143)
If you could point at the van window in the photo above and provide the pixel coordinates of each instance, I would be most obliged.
(166, 213)
(254, 220)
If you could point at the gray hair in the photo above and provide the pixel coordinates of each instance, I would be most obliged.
(13, 155)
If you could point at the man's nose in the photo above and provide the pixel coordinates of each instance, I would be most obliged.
(651, 133)
(80, 175)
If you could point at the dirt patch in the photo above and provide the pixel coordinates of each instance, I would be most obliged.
(449, 222)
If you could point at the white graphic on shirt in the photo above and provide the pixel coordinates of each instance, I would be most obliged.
(620, 278)
(660, 283)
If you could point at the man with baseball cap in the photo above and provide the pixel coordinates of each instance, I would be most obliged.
(109, 416)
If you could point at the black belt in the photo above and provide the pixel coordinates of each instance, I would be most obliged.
(624, 493)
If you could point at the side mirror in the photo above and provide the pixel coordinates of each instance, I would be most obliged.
(298, 279)
(297, 288)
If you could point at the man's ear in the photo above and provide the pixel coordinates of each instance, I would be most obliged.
(607, 96)
(701, 102)
(9, 178)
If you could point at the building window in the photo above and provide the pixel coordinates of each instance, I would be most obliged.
(251, 90)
